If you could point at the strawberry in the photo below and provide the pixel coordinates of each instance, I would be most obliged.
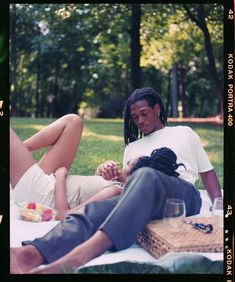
(32, 206)
(48, 211)
(46, 215)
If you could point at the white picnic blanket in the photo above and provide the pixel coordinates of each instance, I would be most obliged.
(21, 230)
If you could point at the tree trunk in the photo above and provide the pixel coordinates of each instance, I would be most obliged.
(78, 95)
(37, 91)
(201, 23)
(56, 88)
(182, 87)
(43, 100)
(135, 46)
(13, 62)
(174, 91)
(168, 94)
(213, 69)
(202, 107)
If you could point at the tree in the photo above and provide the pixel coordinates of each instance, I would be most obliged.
(199, 16)
(135, 46)
(66, 56)
(169, 37)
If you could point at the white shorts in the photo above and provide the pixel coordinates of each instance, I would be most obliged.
(37, 186)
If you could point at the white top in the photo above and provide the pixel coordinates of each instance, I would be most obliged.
(185, 143)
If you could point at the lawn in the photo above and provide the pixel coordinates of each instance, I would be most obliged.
(102, 139)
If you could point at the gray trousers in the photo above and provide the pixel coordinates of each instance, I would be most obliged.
(121, 217)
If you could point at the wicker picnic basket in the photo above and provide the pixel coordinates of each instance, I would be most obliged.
(157, 239)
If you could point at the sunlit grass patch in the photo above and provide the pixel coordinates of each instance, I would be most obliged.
(102, 140)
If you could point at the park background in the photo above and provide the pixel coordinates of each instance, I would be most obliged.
(88, 58)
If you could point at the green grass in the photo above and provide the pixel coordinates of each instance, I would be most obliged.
(102, 139)
(204, 267)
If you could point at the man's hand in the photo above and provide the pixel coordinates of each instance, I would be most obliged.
(109, 170)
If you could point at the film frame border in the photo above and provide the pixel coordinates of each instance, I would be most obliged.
(229, 153)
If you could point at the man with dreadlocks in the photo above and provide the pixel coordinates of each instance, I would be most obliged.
(145, 129)
(113, 224)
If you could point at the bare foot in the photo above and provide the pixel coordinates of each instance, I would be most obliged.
(80, 255)
(63, 265)
(16, 266)
(23, 259)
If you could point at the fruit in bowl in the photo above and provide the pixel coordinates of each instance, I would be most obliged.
(31, 211)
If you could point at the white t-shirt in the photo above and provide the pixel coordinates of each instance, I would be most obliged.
(182, 140)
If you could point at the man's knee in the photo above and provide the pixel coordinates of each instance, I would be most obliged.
(146, 172)
(145, 176)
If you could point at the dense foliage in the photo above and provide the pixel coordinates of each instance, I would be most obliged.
(70, 57)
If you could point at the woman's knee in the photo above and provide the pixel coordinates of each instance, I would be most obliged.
(74, 120)
(12, 134)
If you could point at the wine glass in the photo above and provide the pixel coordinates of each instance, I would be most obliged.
(218, 211)
(174, 213)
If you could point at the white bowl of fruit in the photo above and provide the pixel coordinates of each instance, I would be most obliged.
(35, 212)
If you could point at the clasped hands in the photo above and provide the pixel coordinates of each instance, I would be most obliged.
(109, 170)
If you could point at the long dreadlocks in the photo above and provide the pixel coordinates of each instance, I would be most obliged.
(131, 131)
(163, 159)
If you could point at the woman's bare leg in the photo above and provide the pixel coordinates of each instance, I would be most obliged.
(95, 246)
(20, 158)
(63, 136)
